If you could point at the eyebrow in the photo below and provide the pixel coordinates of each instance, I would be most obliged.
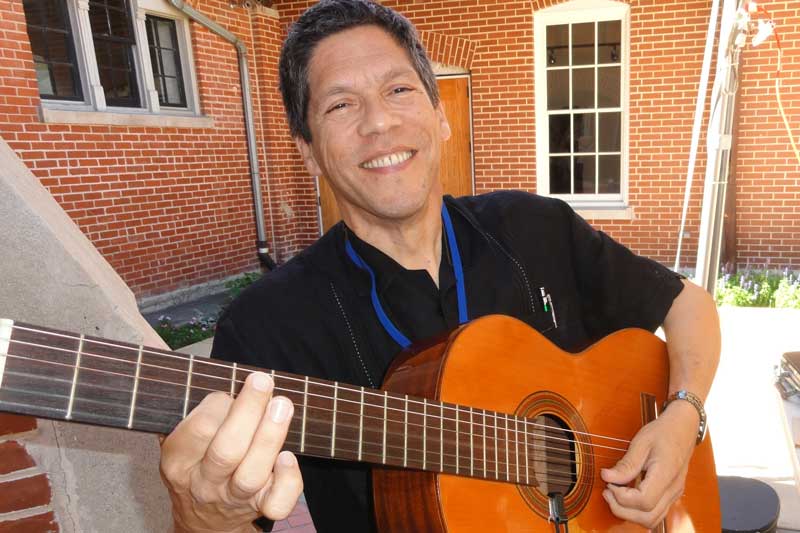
(387, 76)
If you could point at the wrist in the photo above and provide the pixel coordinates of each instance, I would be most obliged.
(690, 404)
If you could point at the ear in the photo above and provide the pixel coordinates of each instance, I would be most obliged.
(444, 126)
(308, 156)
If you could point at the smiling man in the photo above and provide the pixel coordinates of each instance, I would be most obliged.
(406, 265)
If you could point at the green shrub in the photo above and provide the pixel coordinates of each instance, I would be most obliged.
(757, 288)
(788, 293)
(236, 286)
(196, 330)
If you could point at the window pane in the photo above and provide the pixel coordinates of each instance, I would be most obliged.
(50, 36)
(609, 49)
(608, 86)
(62, 76)
(584, 132)
(558, 89)
(43, 79)
(559, 175)
(583, 44)
(584, 175)
(558, 45)
(559, 133)
(610, 132)
(609, 174)
(120, 23)
(165, 60)
(173, 92)
(583, 88)
(98, 19)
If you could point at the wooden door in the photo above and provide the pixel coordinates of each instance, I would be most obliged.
(456, 166)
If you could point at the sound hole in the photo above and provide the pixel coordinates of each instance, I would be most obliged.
(554, 455)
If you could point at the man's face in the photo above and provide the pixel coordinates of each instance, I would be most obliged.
(375, 134)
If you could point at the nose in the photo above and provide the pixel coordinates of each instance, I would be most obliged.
(377, 118)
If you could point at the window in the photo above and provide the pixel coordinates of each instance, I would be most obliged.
(50, 34)
(111, 56)
(581, 99)
(166, 61)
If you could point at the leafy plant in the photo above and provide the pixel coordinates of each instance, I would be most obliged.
(236, 286)
(178, 336)
(758, 288)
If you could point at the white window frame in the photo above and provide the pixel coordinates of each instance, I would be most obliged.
(597, 206)
(93, 109)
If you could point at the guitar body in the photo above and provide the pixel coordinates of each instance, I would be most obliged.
(500, 364)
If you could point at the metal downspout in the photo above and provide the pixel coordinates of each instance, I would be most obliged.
(244, 77)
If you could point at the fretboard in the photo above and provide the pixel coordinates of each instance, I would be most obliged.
(58, 375)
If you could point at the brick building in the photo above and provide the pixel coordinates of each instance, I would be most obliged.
(147, 152)
(132, 115)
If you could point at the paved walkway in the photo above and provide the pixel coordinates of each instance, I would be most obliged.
(745, 415)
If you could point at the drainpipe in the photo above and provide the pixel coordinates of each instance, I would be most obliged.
(247, 103)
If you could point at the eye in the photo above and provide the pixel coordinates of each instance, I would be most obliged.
(401, 90)
(337, 107)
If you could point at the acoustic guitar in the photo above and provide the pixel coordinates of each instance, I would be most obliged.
(492, 429)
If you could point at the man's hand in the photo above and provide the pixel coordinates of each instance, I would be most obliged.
(223, 466)
(660, 452)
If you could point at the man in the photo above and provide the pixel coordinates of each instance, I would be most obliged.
(364, 110)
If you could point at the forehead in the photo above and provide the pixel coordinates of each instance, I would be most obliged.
(363, 53)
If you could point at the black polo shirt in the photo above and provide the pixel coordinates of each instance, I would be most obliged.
(314, 316)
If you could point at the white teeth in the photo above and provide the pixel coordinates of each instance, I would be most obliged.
(389, 160)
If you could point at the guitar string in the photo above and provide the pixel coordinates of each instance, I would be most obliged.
(549, 461)
(479, 412)
(142, 393)
(212, 363)
(491, 438)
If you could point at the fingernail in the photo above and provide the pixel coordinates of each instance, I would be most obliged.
(279, 409)
(260, 381)
(286, 458)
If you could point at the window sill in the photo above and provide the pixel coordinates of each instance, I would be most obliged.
(621, 212)
(106, 118)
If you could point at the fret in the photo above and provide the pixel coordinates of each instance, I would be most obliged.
(424, 433)
(385, 424)
(135, 386)
(305, 412)
(6, 326)
(188, 386)
(441, 438)
(405, 434)
(318, 417)
(361, 425)
(484, 443)
(508, 460)
(525, 431)
(333, 424)
(471, 445)
(516, 444)
(496, 449)
(458, 432)
(233, 381)
(75, 379)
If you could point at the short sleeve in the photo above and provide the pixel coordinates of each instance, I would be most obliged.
(619, 289)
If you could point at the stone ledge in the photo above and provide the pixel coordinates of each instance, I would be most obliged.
(106, 118)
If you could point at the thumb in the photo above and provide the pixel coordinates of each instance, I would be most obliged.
(627, 468)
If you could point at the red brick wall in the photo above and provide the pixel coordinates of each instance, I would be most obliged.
(768, 175)
(25, 496)
(170, 207)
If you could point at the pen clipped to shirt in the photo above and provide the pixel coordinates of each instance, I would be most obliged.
(547, 304)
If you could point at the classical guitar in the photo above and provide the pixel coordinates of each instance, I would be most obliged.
(494, 427)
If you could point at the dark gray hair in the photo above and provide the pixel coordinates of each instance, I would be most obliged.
(325, 19)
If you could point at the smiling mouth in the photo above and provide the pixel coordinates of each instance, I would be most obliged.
(389, 160)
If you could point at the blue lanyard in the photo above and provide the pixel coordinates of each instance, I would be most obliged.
(458, 272)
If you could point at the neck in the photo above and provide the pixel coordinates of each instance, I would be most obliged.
(415, 242)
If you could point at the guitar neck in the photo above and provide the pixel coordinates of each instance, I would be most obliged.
(63, 376)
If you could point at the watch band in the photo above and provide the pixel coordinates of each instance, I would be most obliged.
(697, 404)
